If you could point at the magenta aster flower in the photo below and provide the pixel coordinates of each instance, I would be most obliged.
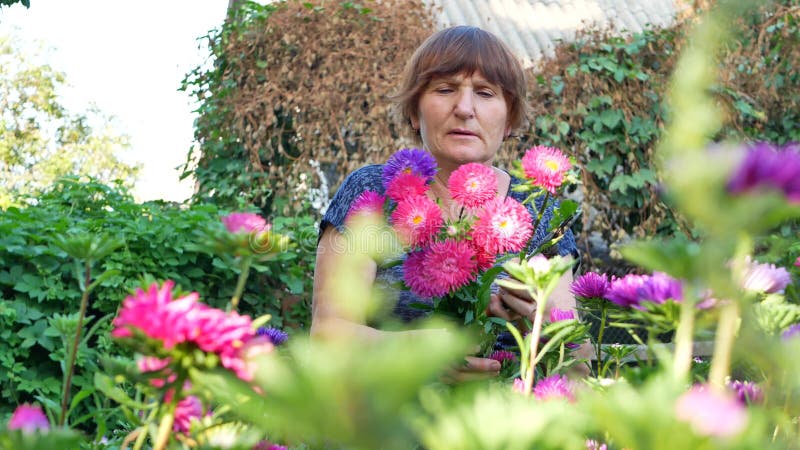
(765, 278)
(416, 220)
(148, 311)
(590, 285)
(557, 315)
(244, 222)
(502, 226)
(546, 167)
(660, 287)
(591, 444)
(768, 166)
(518, 386)
(28, 418)
(503, 355)
(187, 410)
(440, 269)
(367, 203)
(711, 413)
(276, 336)
(554, 387)
(472, 185)
(484, 259)
(797, 262)
(409, 160)
(405, 185)
(625, 291)
(747, 393)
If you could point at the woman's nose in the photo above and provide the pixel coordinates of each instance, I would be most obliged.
(464, 108)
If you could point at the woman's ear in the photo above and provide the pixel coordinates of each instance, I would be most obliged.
(414, 120)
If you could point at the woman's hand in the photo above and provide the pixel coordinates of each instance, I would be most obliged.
(473, 368)
(511, 305)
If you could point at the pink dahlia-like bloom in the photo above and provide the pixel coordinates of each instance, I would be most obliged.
(590, 285)
(711, 413)
(557, 315)
(28, 418)
(405, 185)
(554, 387)
(503, 355)
(367, 203)
(546, 167)
(502, 226)
(244, 222)
(417, 220)
(472, 185)
(440, 269)
(765, 278)
(153, 312)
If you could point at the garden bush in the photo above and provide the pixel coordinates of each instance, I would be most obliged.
(40, 285)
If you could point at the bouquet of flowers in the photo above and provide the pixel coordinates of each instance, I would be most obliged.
(454, 261)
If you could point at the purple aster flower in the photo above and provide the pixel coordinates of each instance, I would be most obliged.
(765, 278)
(746, 392)
(625, 291)
(660, 287)
(765, 165)
(791, 332)
(409, 160)
(276, 336)
(554, 387)
(557, 315)
(590, 285)
(711, 413)
(28, 418)
(503, 355)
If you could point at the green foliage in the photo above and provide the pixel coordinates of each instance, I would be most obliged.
(25, 3)
(40, 284)
(41, 140)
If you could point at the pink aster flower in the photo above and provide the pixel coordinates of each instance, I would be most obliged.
(557, 315)
(148, 312)
(554, 387)
(747, 393)
(28, 418)
(519, 386)
(405, 185)
(187, 410)
(367, 203)
(765, 278)
(502, 226)
(503, 355)
(416, 220)
(711, 413)
(152, 364)
(244, 222)
(546, 167)
(625, 291)
(439, 269)
(768, 166)
(472, 185)
(797, 262)
(484, 259)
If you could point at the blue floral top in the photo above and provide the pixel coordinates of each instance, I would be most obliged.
(369, 178)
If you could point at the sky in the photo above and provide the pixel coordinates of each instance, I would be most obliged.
(128, 58)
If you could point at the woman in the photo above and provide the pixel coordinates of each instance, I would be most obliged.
(462, 93)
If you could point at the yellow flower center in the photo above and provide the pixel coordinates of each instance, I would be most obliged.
(551, 164)
(417, 220)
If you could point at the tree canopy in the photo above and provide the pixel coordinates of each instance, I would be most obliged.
(41, 139)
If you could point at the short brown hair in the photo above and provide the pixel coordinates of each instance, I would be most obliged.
(464, 49)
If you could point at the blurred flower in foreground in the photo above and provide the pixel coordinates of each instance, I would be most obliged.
(746, 392)
(590, 285)
(591, 444)
(266, 445)
(244, 222)
(765, 278)
(797, 262)
(625, 291)
(367, 203)
(768, 166)
(28, 418)
(792, 332)
(503, 355)
(276, 336)
(188, 409)
(554, 387)
(711, 413)
(631, 290)
(557, 315)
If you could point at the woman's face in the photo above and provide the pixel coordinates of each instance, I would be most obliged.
(462, 118)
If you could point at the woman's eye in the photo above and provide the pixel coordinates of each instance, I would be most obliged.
(486, 93)
(444, 90)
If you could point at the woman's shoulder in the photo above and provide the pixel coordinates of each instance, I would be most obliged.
(366, 178)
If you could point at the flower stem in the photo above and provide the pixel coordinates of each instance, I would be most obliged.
(74, 352)
(599, 346)
(244, 272)
(535, 334)
(540, 213)
(165, 427)
(723, 344)
(683, 342)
